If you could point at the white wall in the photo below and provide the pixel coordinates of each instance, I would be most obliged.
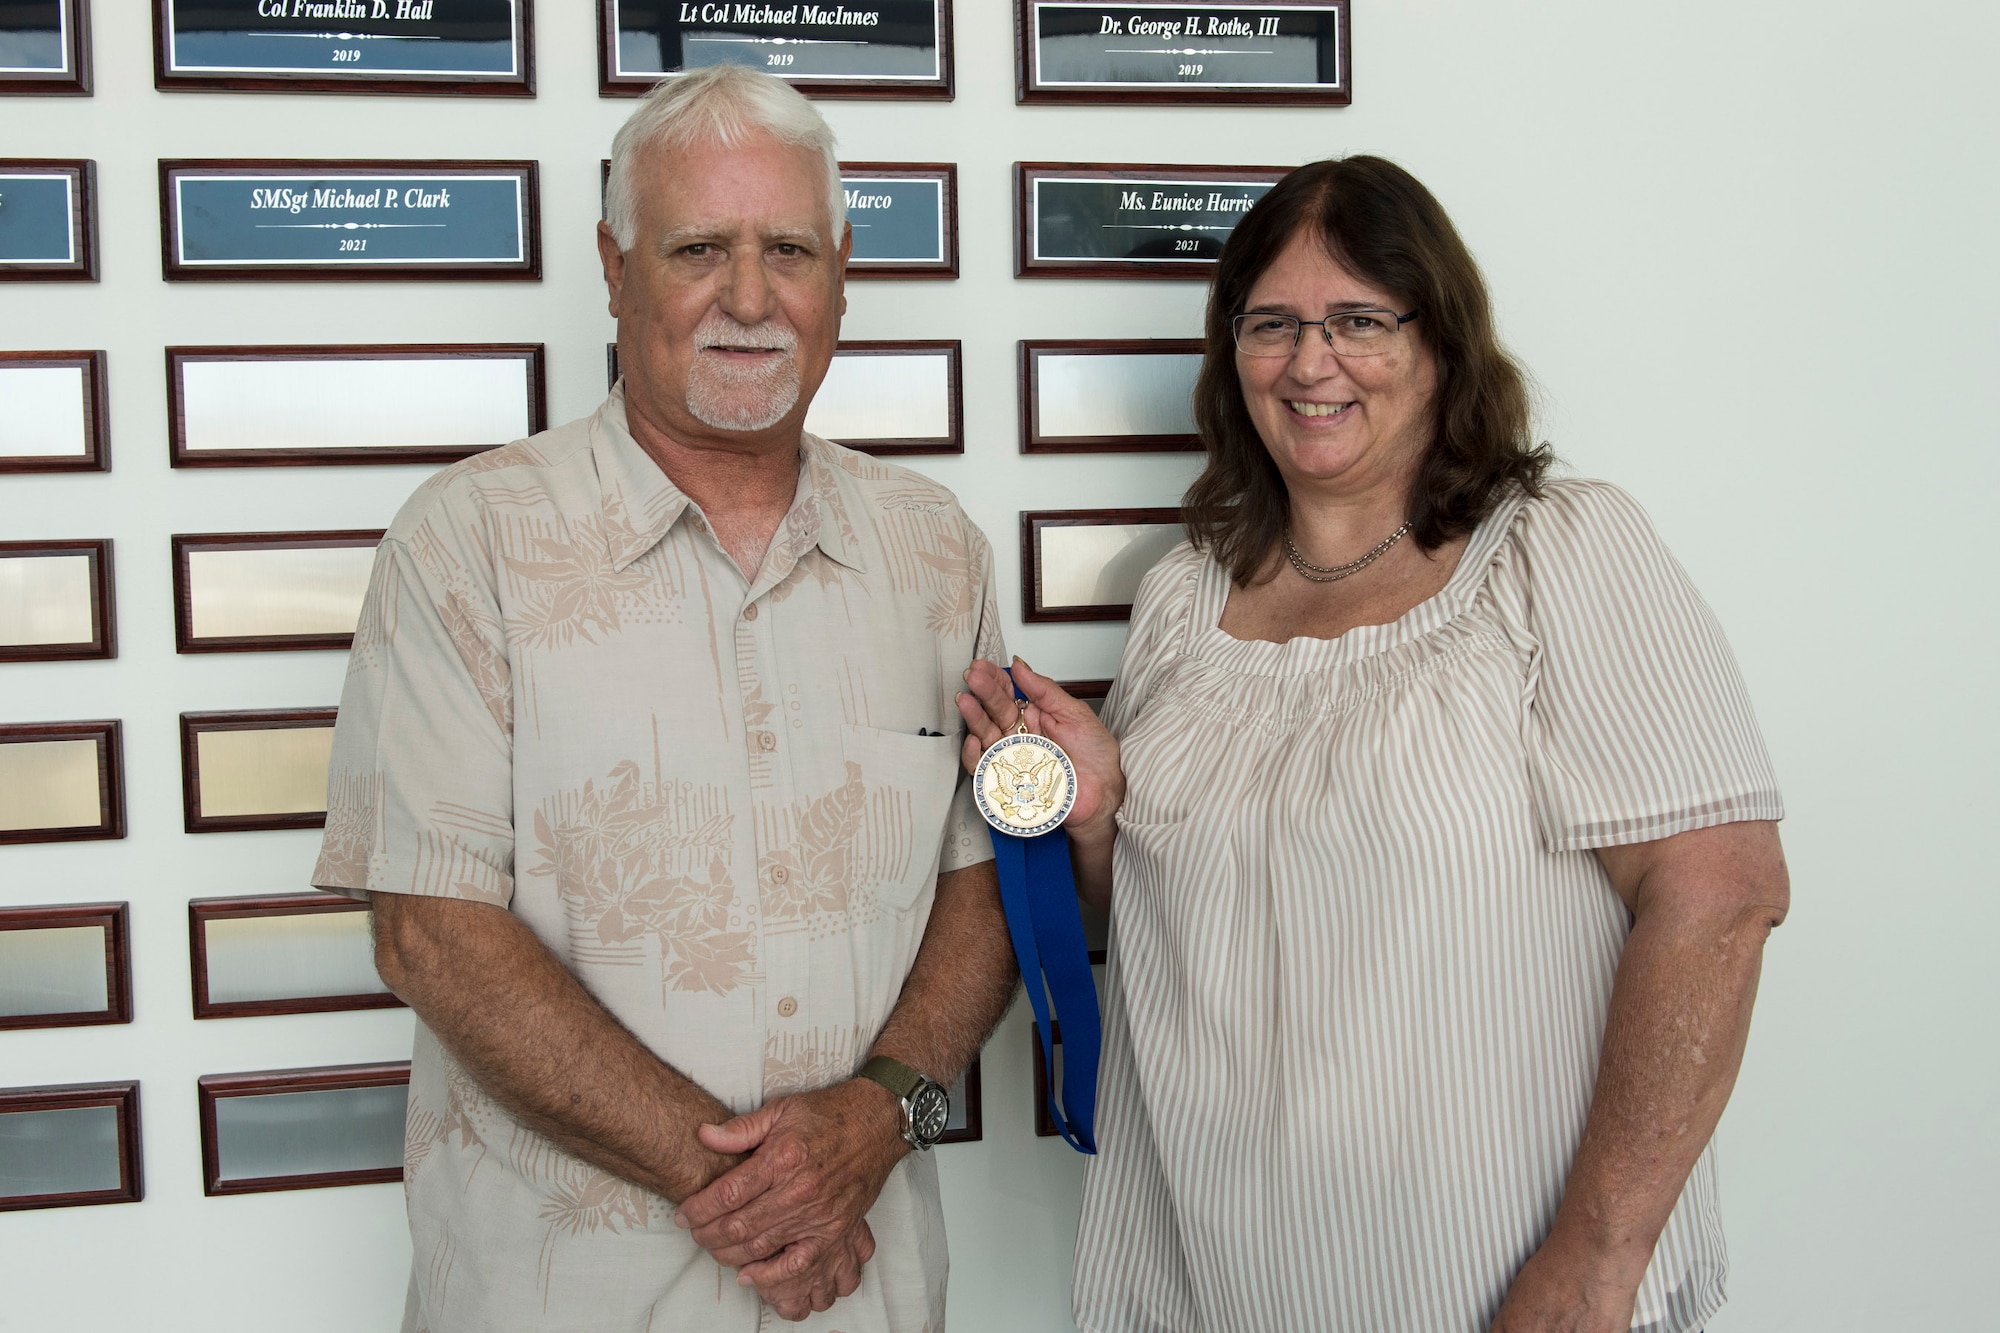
(1747, 250)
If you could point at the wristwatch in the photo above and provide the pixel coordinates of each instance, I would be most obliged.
(926, 1106)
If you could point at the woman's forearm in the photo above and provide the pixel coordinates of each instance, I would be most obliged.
(1703, 905)
(1090, 861)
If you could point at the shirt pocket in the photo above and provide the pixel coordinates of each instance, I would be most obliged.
(905, 785)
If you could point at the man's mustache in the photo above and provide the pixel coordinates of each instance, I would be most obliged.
(771, 337)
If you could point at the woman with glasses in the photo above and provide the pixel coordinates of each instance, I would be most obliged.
(1437, 833)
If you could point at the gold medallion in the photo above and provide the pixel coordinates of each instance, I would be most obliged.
(1024, 784)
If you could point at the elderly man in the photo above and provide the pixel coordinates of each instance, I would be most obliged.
(647, 762)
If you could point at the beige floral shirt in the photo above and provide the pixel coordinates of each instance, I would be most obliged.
(724, 804)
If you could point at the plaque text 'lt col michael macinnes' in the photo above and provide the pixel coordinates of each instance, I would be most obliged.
(839, 48)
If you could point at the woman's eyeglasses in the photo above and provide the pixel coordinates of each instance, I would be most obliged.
(1349, 333)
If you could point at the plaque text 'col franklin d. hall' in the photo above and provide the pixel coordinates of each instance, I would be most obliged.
(462, 47)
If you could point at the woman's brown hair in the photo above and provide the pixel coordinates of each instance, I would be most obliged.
(1379, 223)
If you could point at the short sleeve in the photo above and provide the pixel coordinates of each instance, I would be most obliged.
(966, 839)
(1637, 722)
(1159, 620)
(420, 787)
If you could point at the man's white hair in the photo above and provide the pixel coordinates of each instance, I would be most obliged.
(722, 105)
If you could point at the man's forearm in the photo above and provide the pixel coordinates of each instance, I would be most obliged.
(961, 981)
(535, 1040)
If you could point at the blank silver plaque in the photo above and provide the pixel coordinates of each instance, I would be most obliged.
(303, 1128)
(1100, 565)
(56, 970)
(238, 406)
(269, 591)
(272, 958)
(42, 411)
(65, 1146)
(280, 771)
(338, 1130)
(1096, 396)
(46, 600)
(71, 1150)
(50, 784)
(904, 396)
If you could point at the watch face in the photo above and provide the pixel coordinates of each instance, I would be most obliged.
(930, 1110)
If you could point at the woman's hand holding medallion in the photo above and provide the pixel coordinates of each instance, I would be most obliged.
(991, 711)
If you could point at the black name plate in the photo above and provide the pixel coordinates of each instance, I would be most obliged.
(45, 47)
(1282, 51)
(1124, 221)
(359, 221)
(905, 219)
(477, 47)
(48, 221)
(840, 48)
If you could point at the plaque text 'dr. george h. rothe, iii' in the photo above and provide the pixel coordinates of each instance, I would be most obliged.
(1285, 52)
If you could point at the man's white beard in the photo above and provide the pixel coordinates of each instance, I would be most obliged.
(729, 396)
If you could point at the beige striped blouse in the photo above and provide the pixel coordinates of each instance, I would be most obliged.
(1361, 951)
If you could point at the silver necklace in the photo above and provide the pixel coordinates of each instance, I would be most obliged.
(1334, 573)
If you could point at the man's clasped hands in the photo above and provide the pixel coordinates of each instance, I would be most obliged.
(794, 1180)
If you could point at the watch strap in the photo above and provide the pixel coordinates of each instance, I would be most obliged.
(894, 1075)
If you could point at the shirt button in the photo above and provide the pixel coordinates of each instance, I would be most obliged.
(779, 874)
(787, 1007)
(766, 741)
(750, 611)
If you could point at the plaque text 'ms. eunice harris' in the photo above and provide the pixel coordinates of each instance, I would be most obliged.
(354, 220)
(1126, 221)
(477, 47)
(839, 48)
(1281, 51)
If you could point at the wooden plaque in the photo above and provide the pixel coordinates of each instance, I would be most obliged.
(905, 219)
(327, 220)
(301, 1129)
(1280, 52)
(70, 1145)
(48, 219)
(263, 769)
(968, 1112)
(53, 416)
(842, 48)
(64, 966)
(1101, 395)
(56, 601)
(887, 397)
(1085, 564)
(320, 405)
(50, 53)
(291, 953)
(883, 397)
(61, 781)
(249, 592)
(1122, 220)
(462, 48)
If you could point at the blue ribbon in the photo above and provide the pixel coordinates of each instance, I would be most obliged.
(1038, 891)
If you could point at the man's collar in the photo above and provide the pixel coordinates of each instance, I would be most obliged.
(641, 504)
